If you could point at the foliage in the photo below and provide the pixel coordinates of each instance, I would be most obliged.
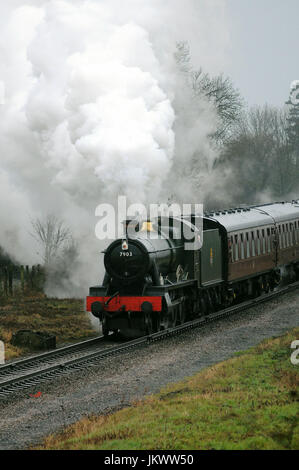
(247, 402)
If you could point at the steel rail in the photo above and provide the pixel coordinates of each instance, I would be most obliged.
(48, 356)
(49, 371)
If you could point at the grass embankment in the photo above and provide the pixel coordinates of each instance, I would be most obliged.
(65, 319)
(248, 402)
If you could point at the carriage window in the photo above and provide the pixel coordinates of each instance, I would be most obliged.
(247, 246)
(283, 236)
(291, 234)
(279, 236)
(242, 247)
(263, 241)
(232, 248)
(236, 248)
(258, 243)
(253, 243)
(269, 240)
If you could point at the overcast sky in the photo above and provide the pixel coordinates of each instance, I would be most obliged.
(264, 48)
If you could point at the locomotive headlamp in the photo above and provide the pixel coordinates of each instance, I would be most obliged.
(125, 245)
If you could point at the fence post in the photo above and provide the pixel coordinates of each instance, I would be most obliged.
(10, 280)
(27, 276)
(5, 283)
(39, 277)
(22, 278)
(33, 277)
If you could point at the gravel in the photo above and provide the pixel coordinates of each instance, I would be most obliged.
(117, 381)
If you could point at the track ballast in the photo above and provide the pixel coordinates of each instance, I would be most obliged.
(30, 372)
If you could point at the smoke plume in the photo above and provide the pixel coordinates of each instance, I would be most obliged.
(92, 106)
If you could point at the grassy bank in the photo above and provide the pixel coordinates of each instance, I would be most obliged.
(248, 402)
(65, 319)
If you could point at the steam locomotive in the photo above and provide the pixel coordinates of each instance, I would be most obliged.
(154, 283)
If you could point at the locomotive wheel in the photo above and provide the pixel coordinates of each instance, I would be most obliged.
(228, 299)
(203, 306)
(266, 282)
(157, 323)
(209, 308)
(257, 289)
(170, 321)
(148, 322)
(182, 314)
(213, 300)
(105, 329)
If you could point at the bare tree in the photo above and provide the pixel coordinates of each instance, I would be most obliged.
(52, 234)
(183, 57)
(293, 122)
(260, 157)
(227, 100)
(219, 90)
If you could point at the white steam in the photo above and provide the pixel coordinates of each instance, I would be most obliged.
(91, 107)
(98, 110)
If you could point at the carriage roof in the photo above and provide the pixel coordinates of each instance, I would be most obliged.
(242, 219)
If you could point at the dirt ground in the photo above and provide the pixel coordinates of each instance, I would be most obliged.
(66, 319)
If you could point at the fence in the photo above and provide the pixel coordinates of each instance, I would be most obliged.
(23, 279)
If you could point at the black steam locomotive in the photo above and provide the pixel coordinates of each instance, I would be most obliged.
(153, 282)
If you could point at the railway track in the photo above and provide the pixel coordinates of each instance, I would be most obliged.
(27, 373)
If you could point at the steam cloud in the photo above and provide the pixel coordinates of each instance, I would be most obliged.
(92, 106)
